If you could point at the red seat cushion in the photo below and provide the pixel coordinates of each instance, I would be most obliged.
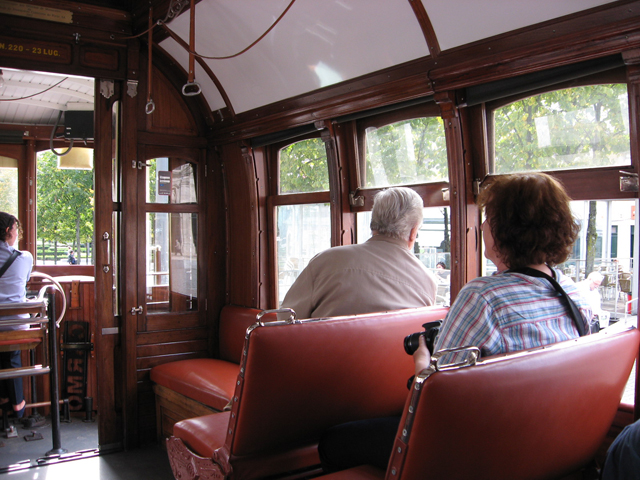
(204, 434)
(206, 380)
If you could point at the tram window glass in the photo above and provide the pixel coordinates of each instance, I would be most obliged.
(576, 127)
(302, 215)
(605, 245)
(432, 247)
(172, 262)
(404, 153)
(303, 167)
(64, 211)
(302, 232)
(9, 185)
(170, 181)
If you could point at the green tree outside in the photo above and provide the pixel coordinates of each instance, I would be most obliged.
(303, 167)
(9, 190)
(65, 200)
(571, 128)
(405, 153)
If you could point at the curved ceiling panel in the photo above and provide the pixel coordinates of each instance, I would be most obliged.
(472, 20)
(36, 98)
(209, 89)
(314, 45)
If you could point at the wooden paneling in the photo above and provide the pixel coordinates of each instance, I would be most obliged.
(95, 54)
(242, 221)
(171, 115)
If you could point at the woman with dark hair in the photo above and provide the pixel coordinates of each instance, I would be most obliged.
(13, 283)
(529, 227)
(528, 224)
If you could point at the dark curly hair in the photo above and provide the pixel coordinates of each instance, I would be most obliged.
(530, 219)
(6, 222)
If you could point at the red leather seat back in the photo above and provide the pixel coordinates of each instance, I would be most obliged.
(530, 415)
(300, 379)
(234, 322)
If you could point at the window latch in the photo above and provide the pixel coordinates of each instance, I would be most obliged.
(628, 181)
(356, 200)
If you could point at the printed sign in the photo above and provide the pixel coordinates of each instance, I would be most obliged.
(33, 49)
(164, 183)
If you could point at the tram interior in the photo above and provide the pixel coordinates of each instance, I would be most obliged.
(170, 158)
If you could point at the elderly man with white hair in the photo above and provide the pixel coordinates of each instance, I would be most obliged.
(380, 274)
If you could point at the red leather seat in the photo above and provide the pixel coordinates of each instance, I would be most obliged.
(297, 380)
(539, 414)
(206, 380)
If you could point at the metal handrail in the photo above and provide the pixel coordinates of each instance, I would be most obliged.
(56, 286)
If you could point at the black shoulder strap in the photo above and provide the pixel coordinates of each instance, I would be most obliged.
(9, 261)
(575, 313)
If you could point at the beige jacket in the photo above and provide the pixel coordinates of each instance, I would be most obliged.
(378, 275)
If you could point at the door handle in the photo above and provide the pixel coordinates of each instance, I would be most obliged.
(135, 310)
(107, 266)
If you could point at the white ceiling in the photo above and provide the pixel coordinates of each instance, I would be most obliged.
(319, 43)
(28, 97)
(316, 43)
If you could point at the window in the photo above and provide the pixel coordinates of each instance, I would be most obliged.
(64, 212)
(172, 262)
(303, 167)
(9, 185)
(404, 153)
(171, 236)
(301, 211)
(170, 180)
(303, 231)
(571, 128)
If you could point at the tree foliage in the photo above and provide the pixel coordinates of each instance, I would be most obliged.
(9, 190)
(571, 128)
(406, 152)
(303, 167)
(64, 203)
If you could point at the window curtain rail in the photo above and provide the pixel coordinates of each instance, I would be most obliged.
(532, 81)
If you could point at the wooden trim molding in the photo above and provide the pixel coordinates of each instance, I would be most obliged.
(427, 28)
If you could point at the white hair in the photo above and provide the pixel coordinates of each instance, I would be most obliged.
(396, 211)
(595, 277)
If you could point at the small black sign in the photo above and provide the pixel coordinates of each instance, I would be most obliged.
(164, 183)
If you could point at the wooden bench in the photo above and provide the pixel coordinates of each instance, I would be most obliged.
(295, 381)
(199, 386)
(529, 415)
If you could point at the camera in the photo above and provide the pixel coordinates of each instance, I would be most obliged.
(431, 330)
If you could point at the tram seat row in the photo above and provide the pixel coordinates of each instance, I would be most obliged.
(199, 386)
(542, 413)
(295, 381)
(535, 414)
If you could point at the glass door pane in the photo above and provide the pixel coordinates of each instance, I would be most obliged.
(172, 272)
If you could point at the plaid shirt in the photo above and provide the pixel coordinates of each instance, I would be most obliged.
(507, 312)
